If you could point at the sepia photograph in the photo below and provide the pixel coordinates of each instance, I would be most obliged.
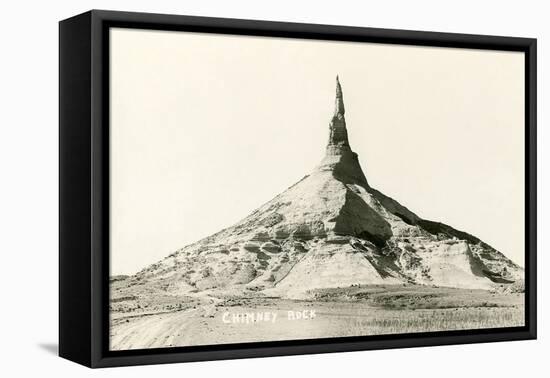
(269, 189)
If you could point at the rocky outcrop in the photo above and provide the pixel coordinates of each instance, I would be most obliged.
(331, 229)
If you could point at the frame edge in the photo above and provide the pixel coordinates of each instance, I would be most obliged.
(75, 334)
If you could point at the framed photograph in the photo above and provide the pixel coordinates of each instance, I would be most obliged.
(234, 188)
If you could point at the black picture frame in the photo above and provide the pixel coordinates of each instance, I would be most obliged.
(84, 187)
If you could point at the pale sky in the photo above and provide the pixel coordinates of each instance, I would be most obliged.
(205, 128)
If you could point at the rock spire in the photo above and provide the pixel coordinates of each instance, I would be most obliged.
(338, 132)
(339, 157)
(339, 103)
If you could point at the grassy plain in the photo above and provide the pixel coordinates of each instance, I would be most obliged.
(353, 311)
